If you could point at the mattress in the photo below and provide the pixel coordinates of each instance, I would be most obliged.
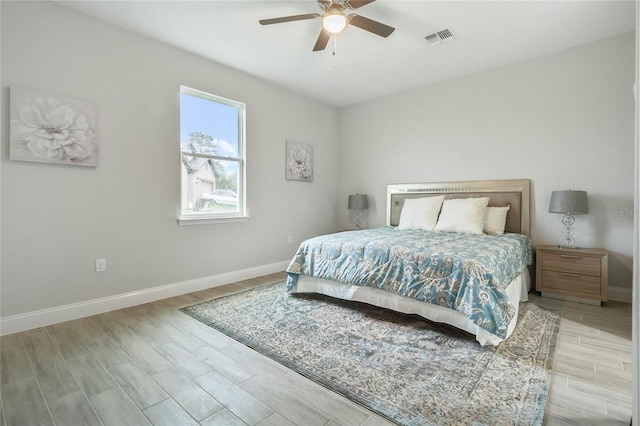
(517, 291)
(476, 281)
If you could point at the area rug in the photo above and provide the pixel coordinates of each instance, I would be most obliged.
(408, 370)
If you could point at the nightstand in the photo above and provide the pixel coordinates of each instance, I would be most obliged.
(580, 275)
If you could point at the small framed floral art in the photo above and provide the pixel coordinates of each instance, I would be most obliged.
(48, 128)
(299, 161)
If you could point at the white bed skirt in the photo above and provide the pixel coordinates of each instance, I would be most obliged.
(517, 290)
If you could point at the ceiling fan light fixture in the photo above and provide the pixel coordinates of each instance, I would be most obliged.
(334, 21)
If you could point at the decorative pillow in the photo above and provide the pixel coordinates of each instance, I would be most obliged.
(496, 220)
(420, 213)
(463, 215)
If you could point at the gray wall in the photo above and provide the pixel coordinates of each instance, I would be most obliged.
(56, 220)
(564, 121)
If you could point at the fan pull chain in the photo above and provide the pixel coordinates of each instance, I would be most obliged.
(335, 50)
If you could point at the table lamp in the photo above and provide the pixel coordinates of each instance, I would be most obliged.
(358, 202)
(568, 203)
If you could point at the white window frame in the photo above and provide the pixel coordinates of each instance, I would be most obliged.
(241, 214)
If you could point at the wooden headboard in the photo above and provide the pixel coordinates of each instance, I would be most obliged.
(512, 192)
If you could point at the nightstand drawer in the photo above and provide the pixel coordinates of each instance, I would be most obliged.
(584, 285)
(572, 263)
(580, 275)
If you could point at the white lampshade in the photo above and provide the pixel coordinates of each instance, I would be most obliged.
(334, 21)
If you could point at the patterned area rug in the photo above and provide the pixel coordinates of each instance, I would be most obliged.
(407, 369)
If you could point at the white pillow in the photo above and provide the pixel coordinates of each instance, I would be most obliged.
(463, 215)
(420, 213)
(495, 220)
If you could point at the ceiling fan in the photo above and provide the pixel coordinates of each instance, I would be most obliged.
(335, 20)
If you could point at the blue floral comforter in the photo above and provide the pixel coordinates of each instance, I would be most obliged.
(465, 272)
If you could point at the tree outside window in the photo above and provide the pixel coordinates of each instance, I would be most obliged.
(212, 156)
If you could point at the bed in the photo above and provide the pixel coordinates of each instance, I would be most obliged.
(443, 267)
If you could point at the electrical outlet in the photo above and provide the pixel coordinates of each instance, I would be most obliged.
(101, 265)
(289, 239)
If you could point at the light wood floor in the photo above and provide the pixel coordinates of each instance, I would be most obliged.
(153, 364)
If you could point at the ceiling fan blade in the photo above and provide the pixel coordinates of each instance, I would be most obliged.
(289, 18)
(370, 25)
(354, 4)
(323, 40)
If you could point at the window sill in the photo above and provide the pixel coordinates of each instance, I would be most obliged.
(210, 220)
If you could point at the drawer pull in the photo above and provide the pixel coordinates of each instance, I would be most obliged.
(571, 256)
(567, 274)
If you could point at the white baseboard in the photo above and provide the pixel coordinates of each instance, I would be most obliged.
(619, 294)
(30, 320)
(42, 318)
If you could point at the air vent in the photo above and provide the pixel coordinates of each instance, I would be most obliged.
(443, 36)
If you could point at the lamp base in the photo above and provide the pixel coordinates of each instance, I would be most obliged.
(560, 246)
(358, 220)
(567, 231)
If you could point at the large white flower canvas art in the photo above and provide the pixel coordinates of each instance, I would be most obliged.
(299, 161)
(53, 129)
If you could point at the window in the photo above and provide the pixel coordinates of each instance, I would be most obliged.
(212, 158)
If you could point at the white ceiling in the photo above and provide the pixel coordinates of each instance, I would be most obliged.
(487, 34)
